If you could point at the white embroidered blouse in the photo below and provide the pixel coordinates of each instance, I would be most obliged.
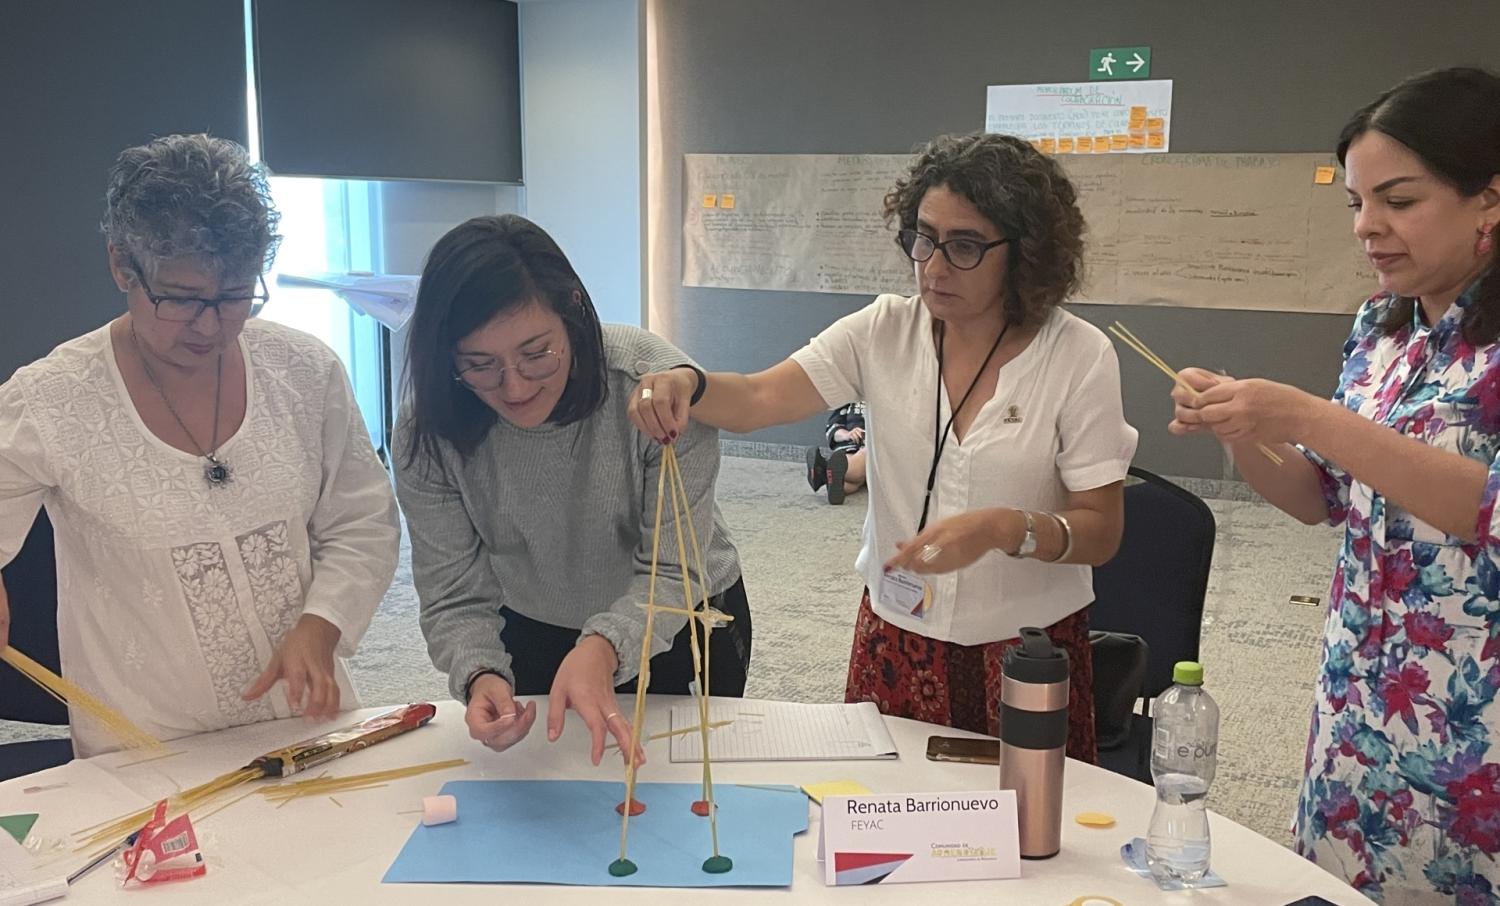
(173, 594)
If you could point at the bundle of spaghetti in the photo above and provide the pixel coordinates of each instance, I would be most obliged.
(281, 762)
(118, 726)
(1134, 342)
(322, 786)
(188, 800)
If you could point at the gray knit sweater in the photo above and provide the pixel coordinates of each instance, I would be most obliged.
(555, 523)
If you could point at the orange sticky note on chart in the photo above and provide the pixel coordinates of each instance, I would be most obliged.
(726, 200)
(1101, 144)
(1048, 146)
(1119, 143)
(1156, 124)
(1085, 144)
(1137, 141)
(1065, 145)
(1323, 176)
(1138, 117)
(710, 201)
(1156, 141)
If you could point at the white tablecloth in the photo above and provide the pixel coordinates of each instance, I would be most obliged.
(316, 851)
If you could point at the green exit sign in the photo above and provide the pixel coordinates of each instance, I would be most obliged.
(1109, 64)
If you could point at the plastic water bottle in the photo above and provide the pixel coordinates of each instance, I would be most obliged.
(1184, 754)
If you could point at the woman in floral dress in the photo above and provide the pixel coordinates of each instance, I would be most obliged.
(1402, 789)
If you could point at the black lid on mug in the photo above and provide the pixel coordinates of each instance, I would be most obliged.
(1036, 659)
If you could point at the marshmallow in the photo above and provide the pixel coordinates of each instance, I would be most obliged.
(439, 810)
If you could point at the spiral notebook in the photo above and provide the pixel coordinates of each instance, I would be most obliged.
(783, 731)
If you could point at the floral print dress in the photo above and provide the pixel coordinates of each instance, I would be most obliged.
(1402, 789)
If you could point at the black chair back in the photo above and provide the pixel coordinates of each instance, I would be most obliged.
(31, 585)
(1155, 586)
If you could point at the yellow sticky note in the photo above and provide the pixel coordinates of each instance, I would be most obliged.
(1101, 144)
(1323, 176)
(1137, 140)
(1156, 124)
(816, 791)
(1119, 143)
(1048, 146)
(1156, 141)
(1137, 117)
(710, 201)
(726, 200)
(1065, 145)
(1085, 144)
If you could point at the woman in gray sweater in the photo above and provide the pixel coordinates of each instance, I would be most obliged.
(530, 498)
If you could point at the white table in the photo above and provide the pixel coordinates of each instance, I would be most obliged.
(314, 851)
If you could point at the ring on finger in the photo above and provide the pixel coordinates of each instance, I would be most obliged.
(645, 393)
(612, 715)
(929, 553)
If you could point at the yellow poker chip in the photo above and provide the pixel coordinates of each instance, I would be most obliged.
(1095, 900)
(1095, 819)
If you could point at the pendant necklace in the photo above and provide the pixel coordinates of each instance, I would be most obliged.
(215, 471)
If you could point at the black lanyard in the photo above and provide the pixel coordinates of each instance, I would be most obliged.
(939, 441)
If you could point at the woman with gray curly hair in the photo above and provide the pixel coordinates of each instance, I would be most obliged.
(998, 447)
(222, 522)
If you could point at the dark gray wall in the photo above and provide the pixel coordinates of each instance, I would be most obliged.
(882, 76)
(80, 80)
(390, 89)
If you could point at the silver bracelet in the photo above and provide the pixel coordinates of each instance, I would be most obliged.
(1067, 530)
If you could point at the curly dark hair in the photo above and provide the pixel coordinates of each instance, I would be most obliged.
(191, 196)
(1028, 198)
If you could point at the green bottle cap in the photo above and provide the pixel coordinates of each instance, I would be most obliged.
(1188, 673)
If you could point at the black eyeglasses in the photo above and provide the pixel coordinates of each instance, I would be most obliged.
(183, 309)
(490, 375)
(964, 254)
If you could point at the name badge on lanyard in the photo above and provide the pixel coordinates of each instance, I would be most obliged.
(905, 592)
(900, 590)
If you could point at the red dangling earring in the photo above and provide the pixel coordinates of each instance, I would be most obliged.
(1486, 243)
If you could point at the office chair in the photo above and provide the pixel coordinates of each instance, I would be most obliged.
(1154, 589)
(31, 581)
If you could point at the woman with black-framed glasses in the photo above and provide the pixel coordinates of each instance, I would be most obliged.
(998, 445)
(224, 530)
(531, 498)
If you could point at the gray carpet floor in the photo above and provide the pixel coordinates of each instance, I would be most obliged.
(1260, 652)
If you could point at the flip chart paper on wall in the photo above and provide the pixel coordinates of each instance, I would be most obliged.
(800, 221)
(1040, 112)
(1245, 231)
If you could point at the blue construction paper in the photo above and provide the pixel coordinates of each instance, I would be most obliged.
(568, 832)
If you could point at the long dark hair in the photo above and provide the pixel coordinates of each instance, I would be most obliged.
(1450, 118)
(479, 269)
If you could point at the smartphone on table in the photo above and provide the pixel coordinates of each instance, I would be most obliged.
(963, 749)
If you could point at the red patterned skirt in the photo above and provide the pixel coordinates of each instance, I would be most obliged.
(910, 675)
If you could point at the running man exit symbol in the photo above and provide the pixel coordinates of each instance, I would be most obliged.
(1117, 63)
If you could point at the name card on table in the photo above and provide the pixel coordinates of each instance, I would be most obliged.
(893, 839)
